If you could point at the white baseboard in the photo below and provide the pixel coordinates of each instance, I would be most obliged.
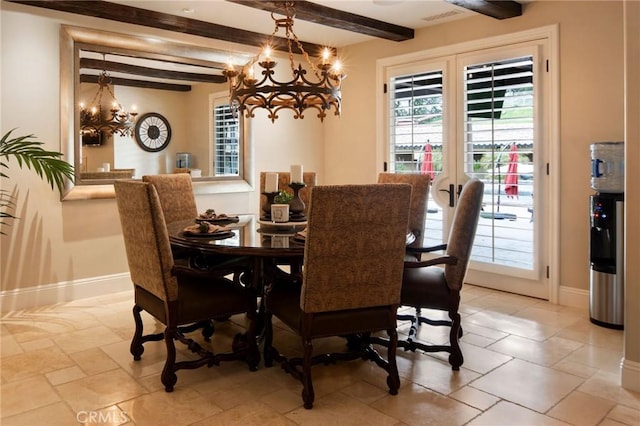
(630, 375)
(50, 294)
(574, 297)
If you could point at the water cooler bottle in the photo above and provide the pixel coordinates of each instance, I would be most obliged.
(606, 296)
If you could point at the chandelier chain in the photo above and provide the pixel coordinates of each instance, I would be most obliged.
(299, 94)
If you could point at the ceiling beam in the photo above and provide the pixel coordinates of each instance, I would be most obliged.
(164, 21)
(99, 64)
(323, 15)
(500, 9)
(86, 78)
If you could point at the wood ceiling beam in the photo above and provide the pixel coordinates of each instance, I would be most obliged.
(164, 21)
(99, 64)
(501, 9)
(323, 15)
(86, 78)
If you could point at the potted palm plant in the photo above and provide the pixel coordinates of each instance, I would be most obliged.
(48, 165)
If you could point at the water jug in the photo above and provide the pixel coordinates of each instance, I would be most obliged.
(607, 167)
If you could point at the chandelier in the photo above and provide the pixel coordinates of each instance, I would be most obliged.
(116, 120)
(248, 92)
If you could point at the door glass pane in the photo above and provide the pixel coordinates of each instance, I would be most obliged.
(499, 149)
(416, 134)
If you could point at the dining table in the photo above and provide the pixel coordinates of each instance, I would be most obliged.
(251, 236)
(264, 242)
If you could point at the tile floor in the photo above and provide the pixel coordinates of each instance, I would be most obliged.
(527, 362)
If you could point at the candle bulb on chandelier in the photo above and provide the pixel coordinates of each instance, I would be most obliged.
(267, 54)
(325, 55)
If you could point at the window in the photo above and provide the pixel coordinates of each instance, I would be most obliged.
(227, 139)
(500, 146)
(416, 120)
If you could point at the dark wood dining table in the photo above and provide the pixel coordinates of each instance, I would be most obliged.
(250, 238)
(264, 243)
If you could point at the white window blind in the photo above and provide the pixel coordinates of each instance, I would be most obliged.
(499, 140)
(226, 141)
(415, 119)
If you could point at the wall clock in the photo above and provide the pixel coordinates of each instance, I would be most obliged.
(153, 132)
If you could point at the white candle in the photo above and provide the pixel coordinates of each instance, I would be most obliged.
(296, 173)
(271, 182)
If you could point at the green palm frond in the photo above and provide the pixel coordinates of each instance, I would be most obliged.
(48, 165)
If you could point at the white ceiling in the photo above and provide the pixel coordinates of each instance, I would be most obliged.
(408, 13)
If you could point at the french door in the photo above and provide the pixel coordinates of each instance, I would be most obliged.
(479, 114)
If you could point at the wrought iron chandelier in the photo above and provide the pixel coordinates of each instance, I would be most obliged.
(117, 120)
(248, 92)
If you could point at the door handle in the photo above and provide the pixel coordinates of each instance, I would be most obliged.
(452, 194)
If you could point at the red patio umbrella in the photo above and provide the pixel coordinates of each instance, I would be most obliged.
(426, 168)
(511, 179)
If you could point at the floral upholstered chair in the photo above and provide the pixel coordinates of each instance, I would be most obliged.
(350, 286)
(176, 195)
(176, 295)
(427, 285)
(419, 196)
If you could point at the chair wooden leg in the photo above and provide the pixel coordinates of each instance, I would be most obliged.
(393, 379)
(136, 343)
(455, 357)
(267, 332)
(308, 394)
(169, 377)
(207, 329)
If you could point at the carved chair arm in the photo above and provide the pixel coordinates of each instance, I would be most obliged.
(418, 249)
(442, 260)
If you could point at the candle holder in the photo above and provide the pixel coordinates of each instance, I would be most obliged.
(266, 215)
(296, 205)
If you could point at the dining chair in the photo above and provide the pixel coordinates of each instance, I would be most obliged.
(428, 286)
(178, 203)
(350, 285)
(420, 184)
(176, 295)
(176, 195)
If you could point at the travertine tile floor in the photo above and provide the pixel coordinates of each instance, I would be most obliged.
(527, 362)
